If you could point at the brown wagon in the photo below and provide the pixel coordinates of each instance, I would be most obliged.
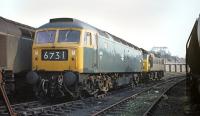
(15, 50)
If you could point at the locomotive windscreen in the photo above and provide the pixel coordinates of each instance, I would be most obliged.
(45, 36)
(69, 36)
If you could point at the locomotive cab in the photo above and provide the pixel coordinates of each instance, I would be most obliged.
(56, 57)
(55, 50)
(147, 61)
(152, 66)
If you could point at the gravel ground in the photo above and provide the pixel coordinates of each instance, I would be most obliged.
(97, 104)
(139, 105)
(174, 103)
(89, 107)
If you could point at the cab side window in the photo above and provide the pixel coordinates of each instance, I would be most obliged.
(88, 39)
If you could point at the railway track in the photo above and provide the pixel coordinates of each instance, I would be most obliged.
(147, 99)
(148, 112)
(37, 108)
(174, 103)
(88, 106)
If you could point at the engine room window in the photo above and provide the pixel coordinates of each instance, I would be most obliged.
(69, 36)
(45, 36)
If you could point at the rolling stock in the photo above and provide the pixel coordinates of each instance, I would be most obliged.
(153, 67)
(193, 64)
(72, 57)
(15, 48)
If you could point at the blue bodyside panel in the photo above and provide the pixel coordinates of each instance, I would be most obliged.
(116, 57)
(112, 56)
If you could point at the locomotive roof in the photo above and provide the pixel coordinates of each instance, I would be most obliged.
(67, 23)
(74, 23)
(144, 51)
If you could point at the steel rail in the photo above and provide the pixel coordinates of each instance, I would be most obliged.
(128, 98)
(147, 113)
(35, 108)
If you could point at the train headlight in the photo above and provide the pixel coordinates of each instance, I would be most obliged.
(73, 52)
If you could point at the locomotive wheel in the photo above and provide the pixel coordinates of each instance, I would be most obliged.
(136, 80)
(159, 75)
(110, 84)
(90, 86)
(150, 76)
(103, 85)
(40, 93)
(76, 93)
(155, 76)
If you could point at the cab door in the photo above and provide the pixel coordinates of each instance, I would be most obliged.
(90, 52)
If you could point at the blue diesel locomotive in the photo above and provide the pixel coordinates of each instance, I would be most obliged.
(72, 57)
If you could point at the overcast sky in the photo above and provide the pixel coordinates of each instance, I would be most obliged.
(144, 23)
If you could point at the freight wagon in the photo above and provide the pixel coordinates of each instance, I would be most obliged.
(193, 65)
(15, 50)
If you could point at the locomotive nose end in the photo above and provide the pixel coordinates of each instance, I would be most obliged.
(69, 78)
(32, 77)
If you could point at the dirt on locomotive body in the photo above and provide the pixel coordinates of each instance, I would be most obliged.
(72, 57)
